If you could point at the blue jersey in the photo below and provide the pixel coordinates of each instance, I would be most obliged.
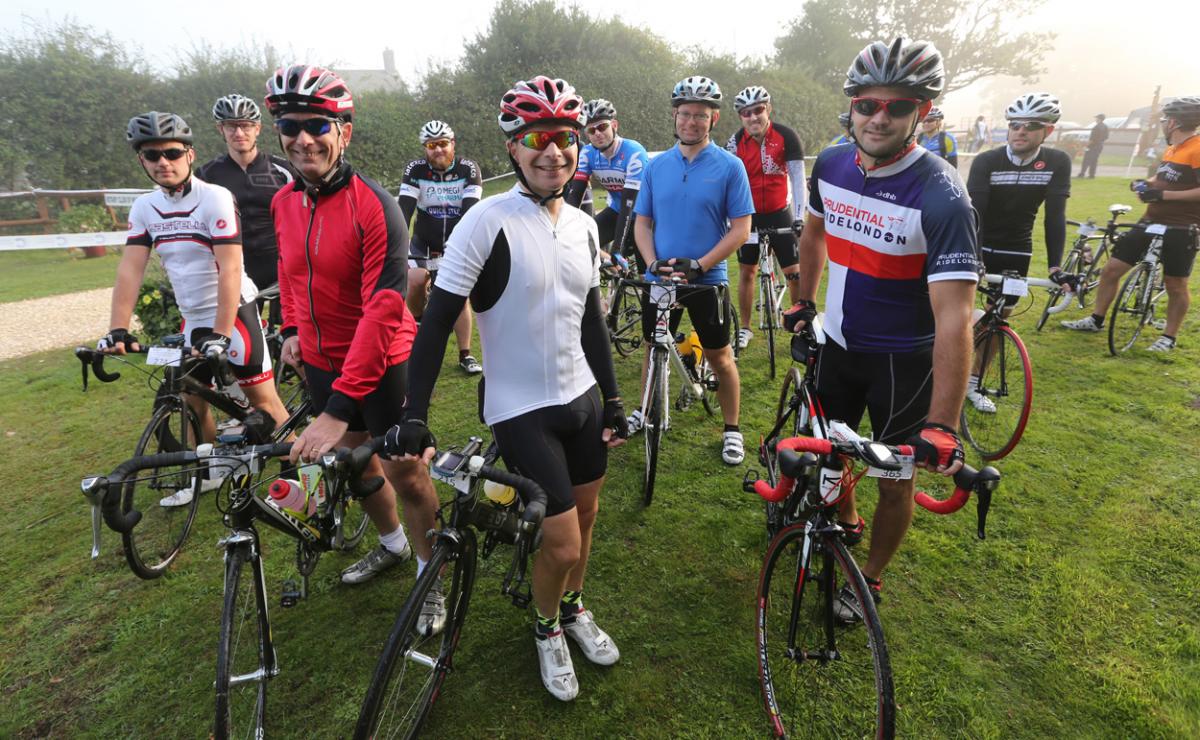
(942, 144)
(691, 203)
(889, 233)
(623, 170)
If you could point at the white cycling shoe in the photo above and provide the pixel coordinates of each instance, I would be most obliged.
(183, 496)
(982, 403)
(733, 449)
(558, 672)
(595, 643)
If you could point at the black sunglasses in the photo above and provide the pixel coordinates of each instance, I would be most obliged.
(312, 126)
(153, 155)
(895, 107)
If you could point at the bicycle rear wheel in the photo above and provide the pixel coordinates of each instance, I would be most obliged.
(290, 386)
(625, 319)
(245, 657)
(1091, 275)
(352, 523)
(152, 545)
(1131, 310)
(1005, 379)
(770, 315)
(1057, 296)
(412, 667)
(818, 676)
(655, 415)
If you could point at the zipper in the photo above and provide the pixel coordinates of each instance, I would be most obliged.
(312, 311)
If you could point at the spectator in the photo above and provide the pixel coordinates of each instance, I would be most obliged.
(981, 136)
(1095, 145)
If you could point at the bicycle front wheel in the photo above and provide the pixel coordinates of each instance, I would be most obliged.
(625, 319)
(1058, 295)
(245, 657)
(154, 543)
(993, 425)
(1131, 310)
(412, 667)
(818, 676)
(1091, 275)
(655, 415)
(352, 523)
(770, 319)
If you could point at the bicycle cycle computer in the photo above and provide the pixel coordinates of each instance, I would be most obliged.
(450, 463)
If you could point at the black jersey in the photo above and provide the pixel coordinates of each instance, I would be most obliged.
(252, 190)
(1011, 194)
(439, 198)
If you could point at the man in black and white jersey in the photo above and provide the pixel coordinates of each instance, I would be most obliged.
(439, 188)
(1008, 185)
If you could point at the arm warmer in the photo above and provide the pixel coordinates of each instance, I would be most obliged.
(596, 348)
(408, 204)
(574, 194)
(795, 170)
(429, 350)
(620, 238)
(466, 206)
(1056, 229)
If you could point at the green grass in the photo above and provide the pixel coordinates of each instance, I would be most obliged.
(1075, 618)
(38, 273)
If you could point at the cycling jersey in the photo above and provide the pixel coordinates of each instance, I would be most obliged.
(1179, 170)
(252, 190)
(1008, 193)
(622, 170)
(843, 139)
(942, 144)
(439, 197)
(889, 232)
(528, 280)
(343, 255)
(767, 166)
(185, 228)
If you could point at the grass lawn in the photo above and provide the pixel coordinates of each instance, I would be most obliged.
(1075, 618)
(38, 273)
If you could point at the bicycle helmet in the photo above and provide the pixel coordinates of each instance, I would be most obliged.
(599, 110)
(753, 95)
(435, 130)
(1039, 106)
(844, 119)
(157, 126)
(915, 65)
(539, 100)
(935, 114)
(696, 89)
(303, 88)
(1186, 110)
(236, 108)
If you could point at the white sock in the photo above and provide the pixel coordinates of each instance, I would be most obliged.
(395, 541)
(420, 566)
(972, 383)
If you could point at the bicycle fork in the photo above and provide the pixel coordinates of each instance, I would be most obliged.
(247, 540)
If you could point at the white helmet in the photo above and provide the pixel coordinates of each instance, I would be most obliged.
(696, 89)
(1039, 106)
(752, 95)
(435, 130)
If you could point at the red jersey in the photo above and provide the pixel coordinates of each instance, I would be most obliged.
(766, 164)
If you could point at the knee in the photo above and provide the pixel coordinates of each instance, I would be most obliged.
(561, 554)
(409, 477)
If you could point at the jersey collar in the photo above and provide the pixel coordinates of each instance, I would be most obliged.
(179, 193)
(897, 164)
(1017, 160)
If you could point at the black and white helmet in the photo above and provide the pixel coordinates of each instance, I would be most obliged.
(435, 130)
(1038, 106)
(1186, 110)
(935, 114)
(236, 108)
(156, 126)
(915, 65)
(696, 89)
(599, 110)
(753, 95)
(844, 119)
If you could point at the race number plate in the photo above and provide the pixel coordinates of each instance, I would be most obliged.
(163, 356)
(1087, 229)
(1156, 229)
(753, 238)
(904, 473)
(1015, 287)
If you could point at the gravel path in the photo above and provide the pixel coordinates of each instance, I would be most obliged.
(49, 323)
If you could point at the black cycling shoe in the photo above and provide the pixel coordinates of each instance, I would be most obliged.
(852, 534)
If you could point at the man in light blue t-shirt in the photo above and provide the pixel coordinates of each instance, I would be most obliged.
(693, 212)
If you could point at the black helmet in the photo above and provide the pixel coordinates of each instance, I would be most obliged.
(1186, 110)
(156, 126)
(915, 65)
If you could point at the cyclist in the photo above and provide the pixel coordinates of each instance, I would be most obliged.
(530, 265)
(933, 138)
(440, 188)
(1007, 186)
(193, 227)
(1173, 198)
(897, 227)
(617, 163)
(343, 249)
(694, 211)
(774, 162)
(844, 137)
(253, 176)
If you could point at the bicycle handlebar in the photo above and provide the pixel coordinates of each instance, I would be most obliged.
(95, 358)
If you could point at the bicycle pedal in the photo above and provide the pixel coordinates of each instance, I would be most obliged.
(291, 594)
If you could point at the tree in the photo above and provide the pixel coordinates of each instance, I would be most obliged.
(974, 36)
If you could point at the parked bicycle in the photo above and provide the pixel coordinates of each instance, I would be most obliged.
(771, 290)
(413, 665)
(289, 381)
(1086, 258)
(1137, 302)
(246, 659)
(622, 305)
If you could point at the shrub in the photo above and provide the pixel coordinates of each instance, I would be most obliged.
(156, 309)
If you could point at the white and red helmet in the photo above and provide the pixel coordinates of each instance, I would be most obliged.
(541, 99)
(304, 88)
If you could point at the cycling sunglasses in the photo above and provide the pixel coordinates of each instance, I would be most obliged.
(599, 128)
(153, 155)
(895, 107)
(1027, 125)
(291, 128)
(438, 144)
(747, 112)
(539, 140)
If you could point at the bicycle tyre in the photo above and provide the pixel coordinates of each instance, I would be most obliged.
(655, 416)
(243, 651)
(1006, 380)
(290, 386)
(816, 674)
(1091, 277)
(1130, 311)
(709, 385)
(625, 320)
(734, 328)
(152, 545)
(397, 702)
(767, 455)
(1057, 296)
(353, 521)
(770, 319)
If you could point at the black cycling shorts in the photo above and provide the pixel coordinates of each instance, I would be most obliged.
(378, 411)
(559, 447)
(262, 265)
(997, 261)
(420, 257)
(894, 388)
(1177, 254)
(248, 356)
(708, 310)
(786, 250)
(606, 225)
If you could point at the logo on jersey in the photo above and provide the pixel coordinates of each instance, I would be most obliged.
(221, 223)
(889, 196)
(1039, 165)
(635, 167)
(952, 184)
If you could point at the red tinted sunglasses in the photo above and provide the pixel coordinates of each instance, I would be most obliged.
(747, 112)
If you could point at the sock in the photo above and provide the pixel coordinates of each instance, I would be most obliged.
(420, 566)
(1098, 319)
(732, 428)
(545, 627)
(463, 354)
(571, 606)
(394, 542)
(1168, 336)
(972, 382)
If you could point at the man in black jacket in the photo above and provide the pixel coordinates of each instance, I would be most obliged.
(1091, 155)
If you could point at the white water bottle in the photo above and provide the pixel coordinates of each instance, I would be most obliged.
(289, 495)
(830, 484)
(499, 494)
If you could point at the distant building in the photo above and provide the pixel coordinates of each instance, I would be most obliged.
(375, 80)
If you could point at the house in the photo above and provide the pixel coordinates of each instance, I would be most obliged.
(375, 80)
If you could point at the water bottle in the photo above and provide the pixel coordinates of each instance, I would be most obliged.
(289, 495)
(499, 494)
(683, 343)
(830, 484)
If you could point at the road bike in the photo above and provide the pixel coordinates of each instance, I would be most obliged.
(413, 665)
(1137, 302)
(623, 306)
(289, 381)
(771, 289)
(1086, 258)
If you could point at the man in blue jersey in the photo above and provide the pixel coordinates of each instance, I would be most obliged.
(694, 211)
(617, 164)
(897, 227)
(933, 138)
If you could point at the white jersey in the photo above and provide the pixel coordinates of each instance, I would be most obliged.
(184, 228)
(528, 281)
